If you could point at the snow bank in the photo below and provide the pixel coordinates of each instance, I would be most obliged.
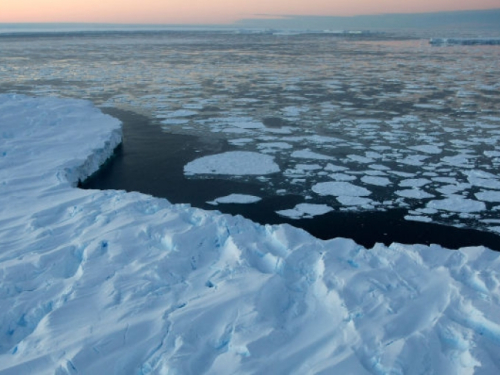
(109, 282)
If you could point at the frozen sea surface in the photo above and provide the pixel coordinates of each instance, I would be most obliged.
(382, 110)
(110, 282)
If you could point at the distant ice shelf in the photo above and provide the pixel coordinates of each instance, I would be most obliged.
(465, 41)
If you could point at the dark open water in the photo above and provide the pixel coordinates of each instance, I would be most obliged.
(151, 161)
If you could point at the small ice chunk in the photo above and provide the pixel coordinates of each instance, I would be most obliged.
(305, 211)
(342, 177)
(414, 182)
(308, 154)
(492, 154)
(423, 219)
(414, 193)
(428, 149)
(334, 168)
(415, 160)
(274, 145)
(374, 180)
(457, 203)
(340, 189)
(354, 201)
(379, 167)
(236, 198)
(236, 163)
(488, 196)
(360, 159)
(240, 141)
(308, 167)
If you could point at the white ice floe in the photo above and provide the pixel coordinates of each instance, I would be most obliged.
(340, 189)
(414, 182)
(237, 163)
(110, 282)
(308, 154)
(483, 179)
(308, 167)
(377, 181)
(488, 196)
(342, 177)
(428, 149)
(423, 219)
(347, 200)
(360, 159)
(414, 193)
(305, 211)
(274, 145)
(457, 203)
(335, 168)
(236, 198)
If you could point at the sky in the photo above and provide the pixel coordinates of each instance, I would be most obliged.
(213, 11)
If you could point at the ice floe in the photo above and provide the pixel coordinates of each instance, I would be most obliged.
(236, 198)
(340, 189)
(457, 203)
(305, 210)
(374, 180)
(236, 163)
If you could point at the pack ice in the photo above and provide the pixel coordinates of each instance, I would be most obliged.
(109, 282)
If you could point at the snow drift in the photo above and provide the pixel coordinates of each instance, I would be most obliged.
(109, 282)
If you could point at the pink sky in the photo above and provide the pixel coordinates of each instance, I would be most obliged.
(213, 11)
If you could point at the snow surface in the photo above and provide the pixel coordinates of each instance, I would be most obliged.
(110, 282)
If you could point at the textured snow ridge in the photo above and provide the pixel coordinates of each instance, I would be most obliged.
(109, 282)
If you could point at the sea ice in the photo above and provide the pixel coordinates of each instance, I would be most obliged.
(308, 154)
(305, 211)
(340, 189)
(457, 203)
(236, 163)
(347, 200)
(488, 196)
(414, 182)
(236, 198)
(378, 181)
(428, 149)
(423, 219)
(414, 193)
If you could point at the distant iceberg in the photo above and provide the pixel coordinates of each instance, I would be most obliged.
(465, 41)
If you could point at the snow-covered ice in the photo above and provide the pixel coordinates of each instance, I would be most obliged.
(414, 193)
(488, 196)
(340, 189)
(110, 282)
(374, 180)
(236, 198)
(457, 203)
(233, 163)
(305, 210)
